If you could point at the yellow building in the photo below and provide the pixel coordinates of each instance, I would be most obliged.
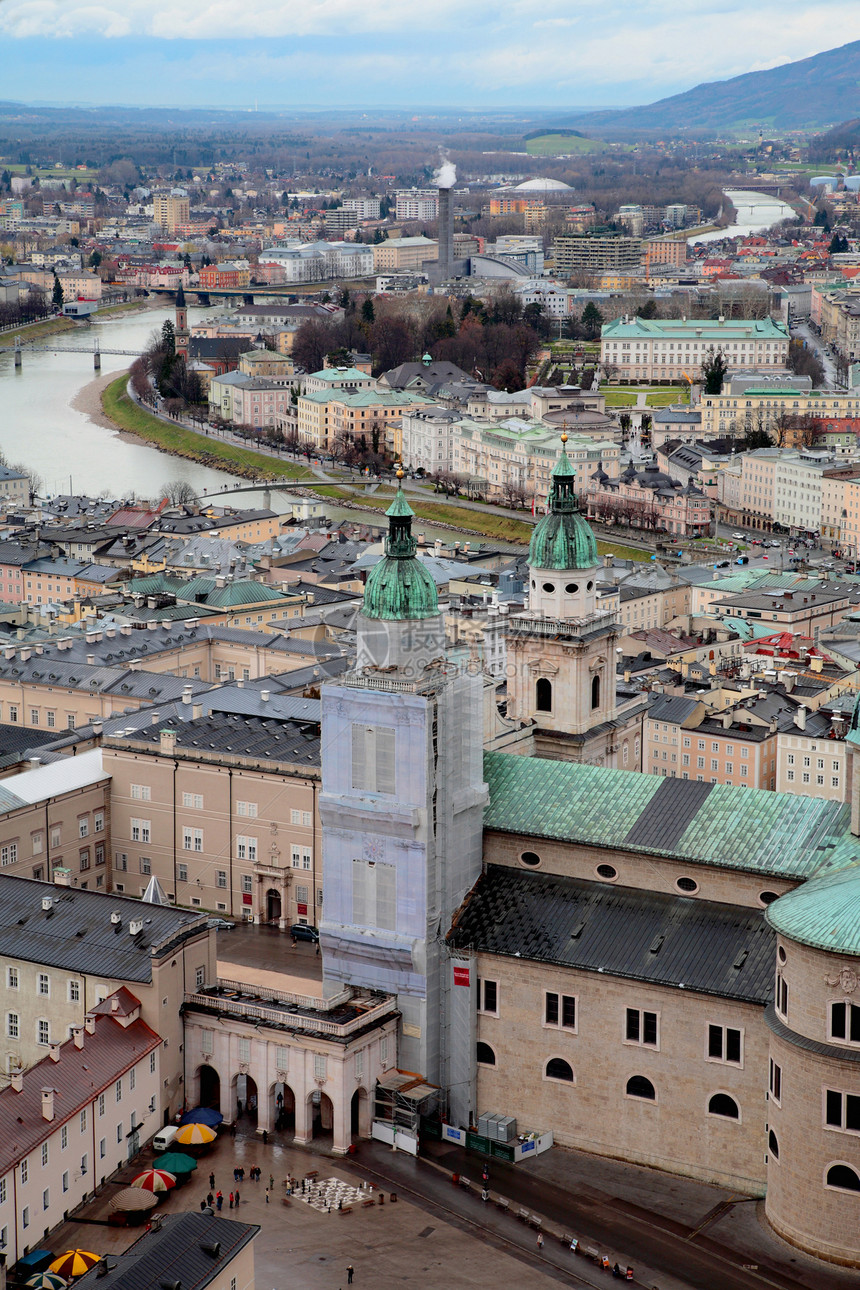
(170, 210)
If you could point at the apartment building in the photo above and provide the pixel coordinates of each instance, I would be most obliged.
(759, 407)
(672, 348)
(329, 419)
(171, 210)
(363, 207)
(260, 401)
(222, 810)
(523, 454)
(229, 273)
(664, 250)
(416, 204)
(685, 738)
(595, 253)
(57, 817)
(400, 254)
(68, 1123)
(813, 757)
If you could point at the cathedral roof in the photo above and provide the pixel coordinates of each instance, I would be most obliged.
(563, 539)
(399, 586)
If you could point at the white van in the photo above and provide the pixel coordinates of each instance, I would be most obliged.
(164, 1138)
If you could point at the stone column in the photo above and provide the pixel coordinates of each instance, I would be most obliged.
(304, 1117)
(341, 1115)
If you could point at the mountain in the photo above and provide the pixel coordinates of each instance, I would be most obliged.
(817, 91)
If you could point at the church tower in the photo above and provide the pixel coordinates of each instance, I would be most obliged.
(181, 325)
(561, 651)
(402, 814)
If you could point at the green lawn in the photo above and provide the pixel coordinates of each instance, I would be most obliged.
(655, 396)
(35, 331)
(503, 528)
(50, 172)
(551, 145)
(179, 441)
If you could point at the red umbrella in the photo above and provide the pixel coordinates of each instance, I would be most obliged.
(154, 1180)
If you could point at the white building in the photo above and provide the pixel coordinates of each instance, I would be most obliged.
(363, 207)
(648, 349)
(76, 1117)
(417, 204)
(428, 439)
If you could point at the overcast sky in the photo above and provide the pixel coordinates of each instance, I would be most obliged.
(390, 53)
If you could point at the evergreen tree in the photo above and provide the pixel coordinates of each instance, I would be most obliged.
(168, 337)
(368, 314)
(592, 320)
(714, 369)
(57, 293)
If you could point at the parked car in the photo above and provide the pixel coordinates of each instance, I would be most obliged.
(739, 537)
(304, 932)
(221, 924)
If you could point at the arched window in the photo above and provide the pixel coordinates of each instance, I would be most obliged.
(484, 1054)
(773, 1144)
(558, 1068)
(543, 695)
(639, 1086)
(595, 692)
(722, 1104)
(843, 1177)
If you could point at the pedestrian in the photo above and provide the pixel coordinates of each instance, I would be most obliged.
(485, 1195)
(265, 1137)
(202, 1205)
(540, 1242)
(235, 1173)
(272, 1182)
(295, 942)
(237, 1200)
(349, 1274)
(211, 1182)
(267, 1195)
(219, 1201)
(242, 1175)
(210, 1200)
(231, 1200)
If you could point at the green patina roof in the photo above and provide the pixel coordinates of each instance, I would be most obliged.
(782, 834)
(563, 539)
(399, 586)
(824, 913)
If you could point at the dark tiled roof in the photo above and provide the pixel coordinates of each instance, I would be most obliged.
(267, 738)
(77, 934)
(647, 936)
(181, 1252)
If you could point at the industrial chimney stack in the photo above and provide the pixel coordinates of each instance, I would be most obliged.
(446, 234)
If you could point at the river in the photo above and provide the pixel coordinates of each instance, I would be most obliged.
(755, 212)
(40, 428)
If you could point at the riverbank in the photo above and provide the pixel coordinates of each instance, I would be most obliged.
(37, 331)
(178, 441)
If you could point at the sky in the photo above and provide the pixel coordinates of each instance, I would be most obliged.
(387, 53)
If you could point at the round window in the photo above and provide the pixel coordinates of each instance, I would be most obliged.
(549, 586)
(531, 858)
(572, 588)
(767, 897)
(780, 954)
(606, 871)
(590, 586)
(534, 584)
(687, 884)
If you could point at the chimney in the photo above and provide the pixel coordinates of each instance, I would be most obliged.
(62, 876)
(800, 718)
(17, 1079)
(54, 1052)
(48, 1102)
(78, 1036)
(152, 625)
(197, 711)
(90, 1024)
(727, 719)
(187, 691)
(446, 233)
(135, 927)
(168, 742)
(265, 695)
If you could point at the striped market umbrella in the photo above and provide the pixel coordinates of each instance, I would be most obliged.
(47, 1281)
(74, 1263)
(195, 1135)
(154, 1180)
(133, 1200)
(176, 1162)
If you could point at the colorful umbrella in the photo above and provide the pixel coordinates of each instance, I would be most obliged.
(154, 1180)
(195, 1135)
(74, 1263)
(176, 1162)
(47, 1281)
(203, 1115)
(133, 1200)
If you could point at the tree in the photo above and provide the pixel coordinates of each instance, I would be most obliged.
(178, 492)
(714, 368)
(804, 361)
(838, 244)
(312, 343)
(592, 320)
(57, 297)
(368, 313)
(168, 337)
(95, 259)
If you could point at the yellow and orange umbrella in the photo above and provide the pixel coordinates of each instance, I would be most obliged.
(74, 1263)
(195, 1135)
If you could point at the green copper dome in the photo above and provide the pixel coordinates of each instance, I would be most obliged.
(563, 539)
(824, 912)
(399, 586)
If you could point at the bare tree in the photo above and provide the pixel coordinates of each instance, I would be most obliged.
(178, 492)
